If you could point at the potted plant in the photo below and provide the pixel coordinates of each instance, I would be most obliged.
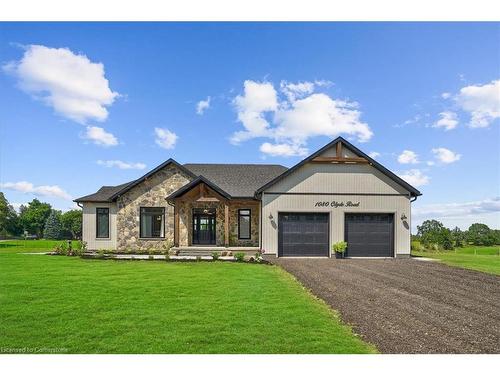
(339, 248)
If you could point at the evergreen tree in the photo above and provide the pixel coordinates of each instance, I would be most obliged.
(53, 227)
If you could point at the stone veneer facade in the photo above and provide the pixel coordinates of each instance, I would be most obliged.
(149, 193)
(152, 193)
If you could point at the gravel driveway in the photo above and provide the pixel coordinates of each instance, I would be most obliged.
(406, 305)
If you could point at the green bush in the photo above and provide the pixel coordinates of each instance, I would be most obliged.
(339, 247)
(240, 257)
(416, 246)
(215, 255)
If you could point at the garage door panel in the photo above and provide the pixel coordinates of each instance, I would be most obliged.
(303, 234)
(369, 235)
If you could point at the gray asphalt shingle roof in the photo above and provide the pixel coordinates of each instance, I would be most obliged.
(238, 180)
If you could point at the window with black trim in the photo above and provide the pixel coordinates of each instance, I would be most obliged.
(244, 224)
(152, 222)
(102, 222)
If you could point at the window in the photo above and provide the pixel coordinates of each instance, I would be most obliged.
(102, 222)
(152, 222)
(244, 224)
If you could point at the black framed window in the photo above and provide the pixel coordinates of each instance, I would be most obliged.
(152, 222)
(102, 222)
(244, 224)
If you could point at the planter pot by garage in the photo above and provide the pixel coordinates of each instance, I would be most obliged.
(339, 255)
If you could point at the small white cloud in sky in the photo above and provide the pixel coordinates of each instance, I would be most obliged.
(481, 102)
(165, 138)
(121, 164)
(445, 156)
(100, 137)
(282, 149)
(414, 177)
(374, 154)
(446, 95)
(42, 190)
(408, 157)
(203, 105)
(75, 87)
(448, 121)
(458, 209)
(461, 214)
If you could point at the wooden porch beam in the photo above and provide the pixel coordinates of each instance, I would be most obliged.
(339, 150)
(326, 159)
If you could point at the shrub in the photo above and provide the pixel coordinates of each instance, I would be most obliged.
(416, 246)
(215, 255)
(151, 257)
(198, 258)
(61, 249)
(167, 257)
(168, 246)
(339, 247)
(240, 257)
(101, 253)
(447, 244)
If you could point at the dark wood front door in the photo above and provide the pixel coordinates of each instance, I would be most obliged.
(203, 229)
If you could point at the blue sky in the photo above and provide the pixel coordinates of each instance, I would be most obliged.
(424, 96)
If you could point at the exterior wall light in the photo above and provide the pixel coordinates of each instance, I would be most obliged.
(403, 217)
(271, 216)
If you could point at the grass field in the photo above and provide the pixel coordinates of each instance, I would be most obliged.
(479, 258)
(71, 305)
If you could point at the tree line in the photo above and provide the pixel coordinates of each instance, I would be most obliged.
(433, 235)
(39, 219)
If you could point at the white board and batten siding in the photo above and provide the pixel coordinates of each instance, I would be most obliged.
(353, 183)
(89, 226)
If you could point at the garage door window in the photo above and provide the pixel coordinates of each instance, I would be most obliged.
(244, 224)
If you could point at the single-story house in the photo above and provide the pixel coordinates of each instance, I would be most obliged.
(336, 194)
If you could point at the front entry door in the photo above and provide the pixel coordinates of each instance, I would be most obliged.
(203, 229)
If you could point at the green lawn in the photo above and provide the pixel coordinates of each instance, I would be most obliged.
(96, 306)
(27, 246)
(479, 258)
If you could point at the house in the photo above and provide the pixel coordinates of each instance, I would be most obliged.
(336, 194)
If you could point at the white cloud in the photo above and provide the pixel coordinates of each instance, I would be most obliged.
(448, 121)
(458, 209)
(121, 164)
(100, 137)
(282, 149)
(481, 102)
(445, 95)
(296, 90)
(408, 157)
(74, 86)
(42, 190)
(165, 138)
(374, 154)
(414, 177)
(203, 105)
(445, 156)
(298, 116)
(258, 98)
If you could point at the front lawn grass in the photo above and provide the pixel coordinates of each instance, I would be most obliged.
(479, 258)
(73, 305)
(28, 246)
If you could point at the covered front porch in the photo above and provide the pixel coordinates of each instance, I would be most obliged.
(207, 219)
